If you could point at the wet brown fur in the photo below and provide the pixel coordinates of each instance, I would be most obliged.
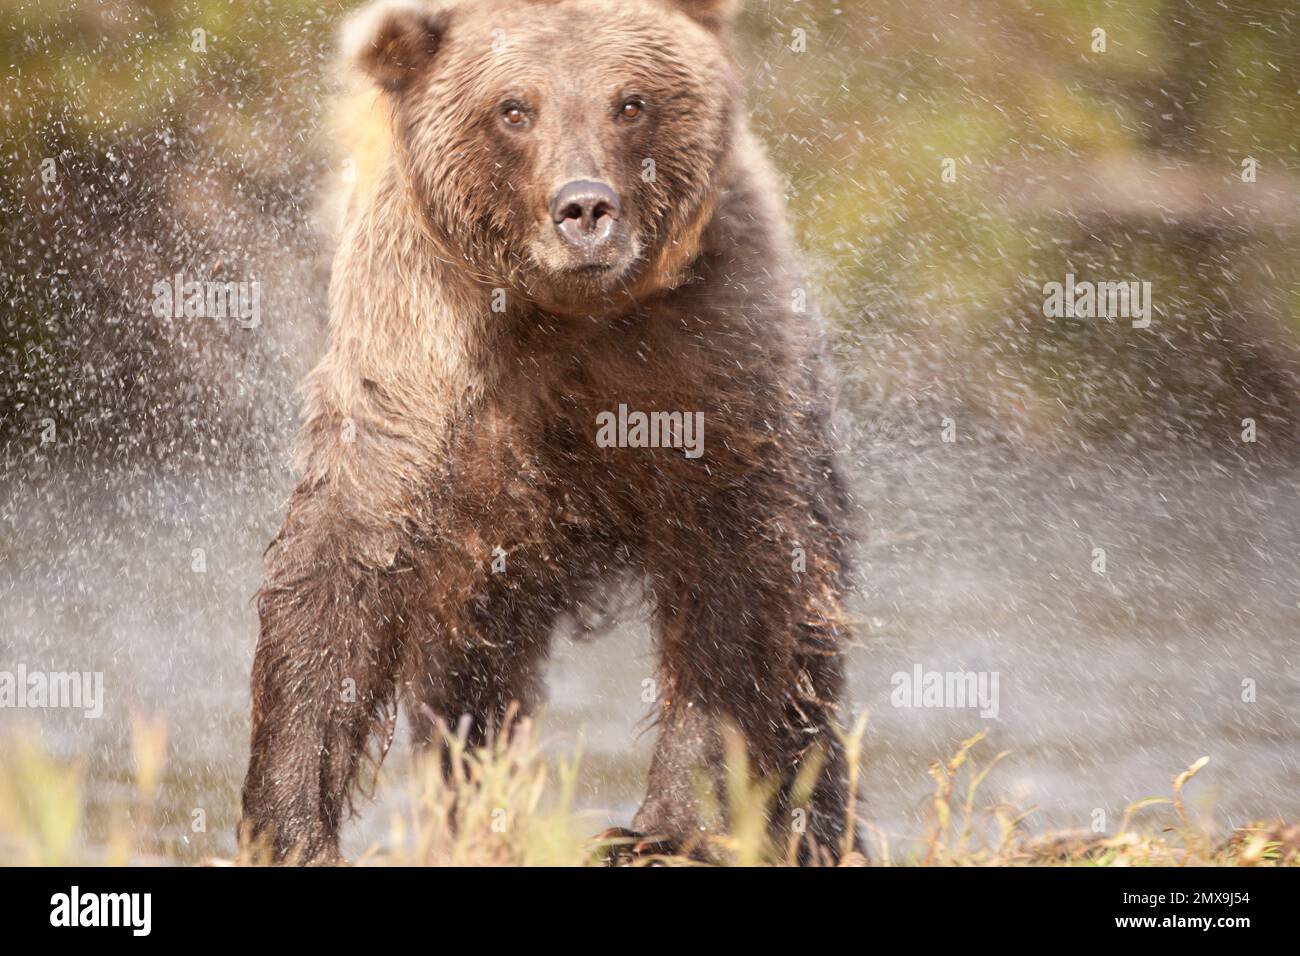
(475, 430)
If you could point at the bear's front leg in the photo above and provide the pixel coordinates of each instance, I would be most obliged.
(323, 676)
(749, 639)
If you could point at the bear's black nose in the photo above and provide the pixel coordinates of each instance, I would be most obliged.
(585, 212)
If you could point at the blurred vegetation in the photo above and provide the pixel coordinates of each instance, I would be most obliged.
(173, 152)
(1123, 164)
(1115, 165)
(508, 805)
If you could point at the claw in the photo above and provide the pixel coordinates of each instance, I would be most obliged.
(619, 846)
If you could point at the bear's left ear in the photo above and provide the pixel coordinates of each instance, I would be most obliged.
(714, 14)
(393, 40)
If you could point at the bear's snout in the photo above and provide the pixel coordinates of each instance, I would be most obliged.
(585, 213)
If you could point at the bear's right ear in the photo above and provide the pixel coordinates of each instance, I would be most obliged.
(391, 41)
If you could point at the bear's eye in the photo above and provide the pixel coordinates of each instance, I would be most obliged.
(514, 115)
(631, 108)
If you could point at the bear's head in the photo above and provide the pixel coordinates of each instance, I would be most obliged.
(569, 149)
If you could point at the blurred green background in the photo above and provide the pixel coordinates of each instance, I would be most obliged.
(1115, 165)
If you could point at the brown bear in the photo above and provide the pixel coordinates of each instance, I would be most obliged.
(567, 343)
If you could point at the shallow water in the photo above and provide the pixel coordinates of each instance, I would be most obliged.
(971, 561)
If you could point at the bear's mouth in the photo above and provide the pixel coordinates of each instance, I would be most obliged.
(563, 274)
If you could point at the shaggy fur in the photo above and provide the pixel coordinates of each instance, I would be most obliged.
(437, 430)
